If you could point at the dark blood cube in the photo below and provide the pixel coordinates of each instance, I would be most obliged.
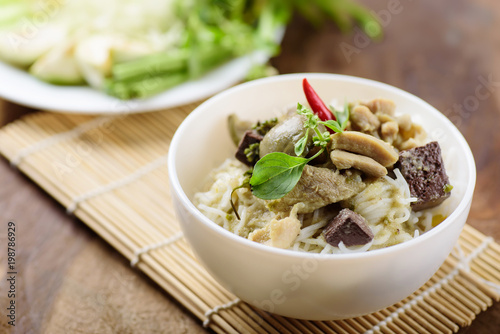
(423, 169)
(250, 137)
(348, 227)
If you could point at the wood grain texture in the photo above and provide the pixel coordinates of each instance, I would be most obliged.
(69, 280)
(446, 52)
(10, 111)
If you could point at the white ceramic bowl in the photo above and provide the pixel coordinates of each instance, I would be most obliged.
(303, 285)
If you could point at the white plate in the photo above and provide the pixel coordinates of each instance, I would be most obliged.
(20, 87)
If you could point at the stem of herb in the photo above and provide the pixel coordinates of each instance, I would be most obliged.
(320, 135)
(232, 203)
(316, 155)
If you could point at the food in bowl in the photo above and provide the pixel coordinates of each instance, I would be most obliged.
(323, 180)
(308, 285)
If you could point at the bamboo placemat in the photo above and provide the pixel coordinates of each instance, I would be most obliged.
(110, 171)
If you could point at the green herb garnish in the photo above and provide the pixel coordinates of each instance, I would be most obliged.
(252, 152)
(276, 173)
(263, 127)
(321, 139)
(447, 188)
(342, 117)
(244, 184)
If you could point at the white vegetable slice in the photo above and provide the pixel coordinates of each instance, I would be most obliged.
(25, 44)
(58, 66)
(95, 55)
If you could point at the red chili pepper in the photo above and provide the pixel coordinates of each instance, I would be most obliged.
(317, 105)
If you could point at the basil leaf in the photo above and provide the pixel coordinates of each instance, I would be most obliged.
(334, 125)
(276, 174)
(342, 117)
(300, 145)
(345, 116)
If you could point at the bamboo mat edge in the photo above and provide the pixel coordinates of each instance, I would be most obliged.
(147, 264)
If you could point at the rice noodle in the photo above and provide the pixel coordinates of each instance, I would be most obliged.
(384, 203)
(358, 249)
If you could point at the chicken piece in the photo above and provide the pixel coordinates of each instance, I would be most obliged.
(389, 131)
(344, 160)
(416, 132)
(381, 105)
(408, 144)
(384, 117)
(363, 119)
(317, 188)
(404, 122)
(365, 144)
(280, 233)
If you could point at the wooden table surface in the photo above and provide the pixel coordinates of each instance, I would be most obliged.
(446, 52)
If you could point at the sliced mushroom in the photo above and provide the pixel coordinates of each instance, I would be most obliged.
(344, 160)
(365, 144)
(363, 119)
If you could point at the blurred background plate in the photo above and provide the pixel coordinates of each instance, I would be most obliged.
(20, 87)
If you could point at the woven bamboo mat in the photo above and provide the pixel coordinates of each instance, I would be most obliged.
(110, 171)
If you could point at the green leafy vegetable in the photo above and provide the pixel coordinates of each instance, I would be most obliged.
(322, 138)
(342, 117)
(334, 125)
(258, 71)
(312, 120)
(343, 12)
(213, 32)
(159, 44)
(276, 174)
(216, 31)
(300, 145)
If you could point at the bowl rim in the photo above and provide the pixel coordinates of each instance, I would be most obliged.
(176, 187)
